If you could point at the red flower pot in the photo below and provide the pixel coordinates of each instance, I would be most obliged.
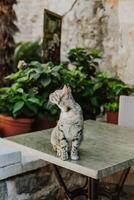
(11, 126)
(112, 117)
(40, 124)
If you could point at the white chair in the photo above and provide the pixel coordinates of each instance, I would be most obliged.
(126, 111)
(126, 119)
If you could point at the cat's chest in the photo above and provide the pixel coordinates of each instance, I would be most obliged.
(68, 116)
(68, 122)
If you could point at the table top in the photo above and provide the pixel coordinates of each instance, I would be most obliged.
(106, 149)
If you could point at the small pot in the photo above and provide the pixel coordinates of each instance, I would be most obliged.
(112, 117)
(40, 124)
(11, 126)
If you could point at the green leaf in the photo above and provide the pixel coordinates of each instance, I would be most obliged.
(33, 108)
(94, 101)
(13, 76)
(20, 90)
(45, 82)
(34, 100)
(23, 79)
(34, 76)
(97, 86)
(18, 106)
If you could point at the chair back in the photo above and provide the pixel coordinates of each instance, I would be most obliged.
(126, 111)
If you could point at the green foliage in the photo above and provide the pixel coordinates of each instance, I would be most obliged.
(91, 89)
(81, 77)
(28, 51)
(113, 106)
(16, 102)
(116, 87)
(113, 88)
(41, 79)
(87, 60)
(92, 94)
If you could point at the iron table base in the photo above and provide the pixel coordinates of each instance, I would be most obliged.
(92, 190)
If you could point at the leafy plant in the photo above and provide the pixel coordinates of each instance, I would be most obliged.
(91, 89)
(113, 106)
(48, 77)
(80, 74)
(84, 91)
(87, 60)
(16, 102)
(113, 88)
(116, 87)
(93, 94)
(28, 51)
(42, 79)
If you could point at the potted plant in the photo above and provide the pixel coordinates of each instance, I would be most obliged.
(43, 79)
(81, 74)
(112, 112)
(18, 109)
(115, 88)
(48, 77)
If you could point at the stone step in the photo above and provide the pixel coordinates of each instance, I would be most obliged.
(8, 155)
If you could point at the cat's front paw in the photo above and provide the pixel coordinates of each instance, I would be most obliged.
(64, 156)
(74, 156)
(58, 153)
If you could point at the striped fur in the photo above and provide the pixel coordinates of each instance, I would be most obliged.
(68, 134)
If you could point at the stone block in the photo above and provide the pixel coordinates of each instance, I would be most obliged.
(11, 170)
(3, 190)
(32, 182)
(8, 156)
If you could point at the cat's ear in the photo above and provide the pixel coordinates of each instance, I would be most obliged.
(66, 90)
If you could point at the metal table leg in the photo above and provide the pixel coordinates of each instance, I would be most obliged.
(93, 191)
(122, 181)
(115, 194)
(61, 182)
(70, 195)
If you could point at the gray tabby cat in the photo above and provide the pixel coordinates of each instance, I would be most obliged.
(68, 134)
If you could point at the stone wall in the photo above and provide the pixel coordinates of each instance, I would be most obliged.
(30, 16)
(41, 184)
(86, 24)
(126, 43)
(104, 24)
(38, 185)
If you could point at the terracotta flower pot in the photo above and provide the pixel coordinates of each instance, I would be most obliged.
(40, 124)
(112, 117)
(11, 126)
